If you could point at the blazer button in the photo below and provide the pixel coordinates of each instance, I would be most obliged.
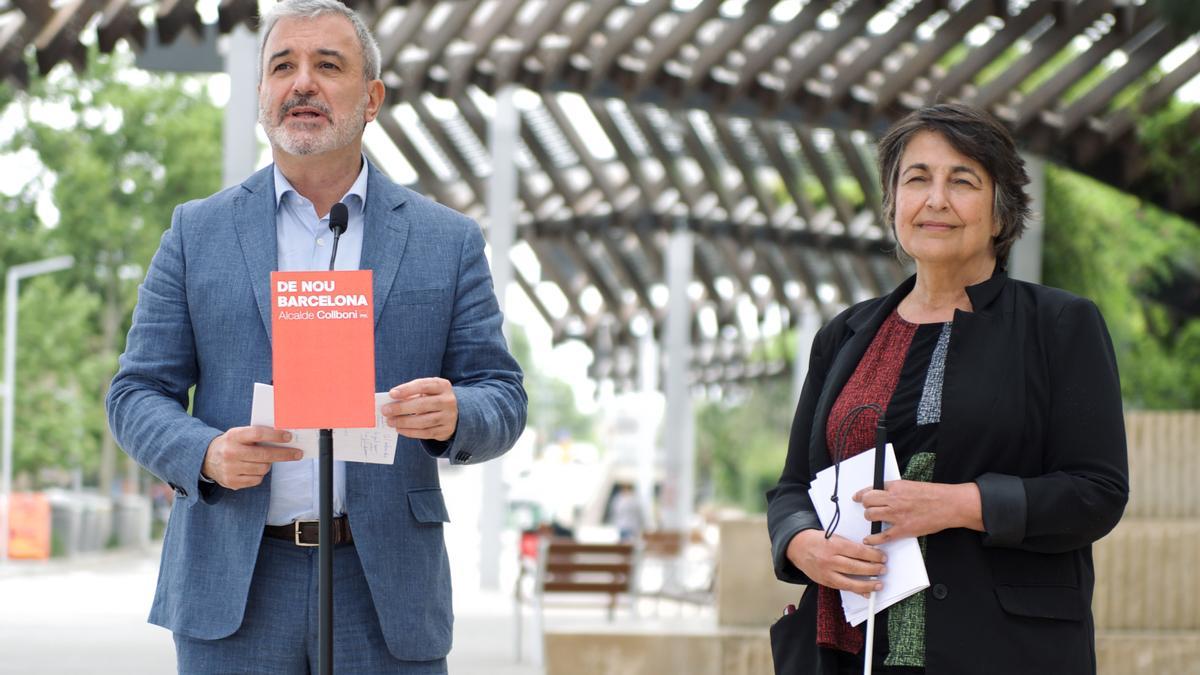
(939, 591)
(462, 457)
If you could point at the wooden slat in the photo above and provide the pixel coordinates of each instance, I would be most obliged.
(585, 587)
(527, 40)
(759, 62)
(947, 37)
(392, 41)
(570, 567)
(1153, 97)
(616, 44)
(850, 24)
(880, 47)
(1155, 44)
(683, 32)
(979, 57)
(1043, 49)
(1068, 75)
(119, 21)
(753, 13)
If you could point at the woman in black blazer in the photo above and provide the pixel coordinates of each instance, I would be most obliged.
(1002, 401)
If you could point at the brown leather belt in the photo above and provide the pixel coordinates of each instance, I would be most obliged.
(307, 532)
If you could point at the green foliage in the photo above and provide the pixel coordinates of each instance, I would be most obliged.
(1173, 147)
(552, 409)
(1116, 250)
(119, 149)
(741, 443)
(58, 417)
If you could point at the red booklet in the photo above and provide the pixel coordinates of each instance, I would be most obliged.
(322, 326)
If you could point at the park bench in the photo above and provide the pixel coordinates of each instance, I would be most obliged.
(596, 575)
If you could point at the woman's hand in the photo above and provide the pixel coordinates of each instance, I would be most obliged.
(916, 508)
(830, 562)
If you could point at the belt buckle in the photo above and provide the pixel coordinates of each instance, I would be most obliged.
(297, 525)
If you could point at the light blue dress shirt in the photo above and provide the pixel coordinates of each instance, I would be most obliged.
(305, 242)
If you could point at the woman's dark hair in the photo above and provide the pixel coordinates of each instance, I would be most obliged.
(979, 136)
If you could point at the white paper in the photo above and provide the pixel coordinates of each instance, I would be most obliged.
(374, 445)
(905, 567)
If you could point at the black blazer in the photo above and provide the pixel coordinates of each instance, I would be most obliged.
(1031, 412)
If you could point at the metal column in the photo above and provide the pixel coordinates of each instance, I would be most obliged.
(501, 207)
(1025, 260)
(678, 493)
(648, 376)
(807, 325)
(238, 136)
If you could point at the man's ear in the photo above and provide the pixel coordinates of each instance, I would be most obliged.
(375, 96)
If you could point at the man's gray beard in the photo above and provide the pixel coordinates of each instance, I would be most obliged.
(339, 135)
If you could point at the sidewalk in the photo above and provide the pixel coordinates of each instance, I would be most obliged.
(88, 614)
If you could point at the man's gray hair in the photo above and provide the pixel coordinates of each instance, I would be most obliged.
(311, 9)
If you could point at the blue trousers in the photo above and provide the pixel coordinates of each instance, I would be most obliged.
(278, 634)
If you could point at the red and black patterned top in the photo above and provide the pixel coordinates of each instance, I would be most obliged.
(901, 371)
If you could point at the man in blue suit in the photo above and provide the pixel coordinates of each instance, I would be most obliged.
(238, 580)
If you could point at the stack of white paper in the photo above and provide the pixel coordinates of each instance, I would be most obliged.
(905, 567)
(375, 445)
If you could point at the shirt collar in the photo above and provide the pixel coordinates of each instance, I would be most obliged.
(355, 197)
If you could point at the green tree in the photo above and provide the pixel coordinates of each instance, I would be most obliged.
(59, 419)
(552, 409)
(741, 443)
(1120, 252)
(129, 146)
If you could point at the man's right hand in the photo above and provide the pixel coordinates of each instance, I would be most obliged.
(234, 460)
(836, 562)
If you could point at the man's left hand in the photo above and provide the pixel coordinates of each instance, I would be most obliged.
(917, 508)
(424, 409)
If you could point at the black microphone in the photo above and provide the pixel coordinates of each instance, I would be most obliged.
(339, 218)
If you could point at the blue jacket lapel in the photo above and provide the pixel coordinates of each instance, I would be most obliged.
(254, 220)
(385, 234)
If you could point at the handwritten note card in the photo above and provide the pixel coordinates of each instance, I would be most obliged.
(374, 445)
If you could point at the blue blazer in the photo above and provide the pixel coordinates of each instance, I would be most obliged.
(203, 320)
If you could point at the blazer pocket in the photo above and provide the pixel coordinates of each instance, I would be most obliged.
(419, 296)
(428, 506)
(1043, 602)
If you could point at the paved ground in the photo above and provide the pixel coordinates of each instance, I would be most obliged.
(88, 614)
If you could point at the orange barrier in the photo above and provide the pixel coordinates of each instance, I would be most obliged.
(29, 526)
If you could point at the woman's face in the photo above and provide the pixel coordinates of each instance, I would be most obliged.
(944, 204)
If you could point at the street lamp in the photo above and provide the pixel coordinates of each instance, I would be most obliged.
(12, 279)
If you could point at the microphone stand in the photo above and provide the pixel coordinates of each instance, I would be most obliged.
(876, 528)
(337, 223)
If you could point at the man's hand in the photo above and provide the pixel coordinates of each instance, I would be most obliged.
(234, 461)
(917, 508)
(837, 562)
(424, 408)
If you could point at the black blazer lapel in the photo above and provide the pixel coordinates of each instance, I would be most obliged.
(861, 327)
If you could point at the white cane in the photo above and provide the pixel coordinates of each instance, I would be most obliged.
(876, 528)
(867, 658)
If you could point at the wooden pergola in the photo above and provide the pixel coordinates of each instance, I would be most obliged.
(748, 123)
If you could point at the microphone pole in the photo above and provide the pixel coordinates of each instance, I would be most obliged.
(876, 528)
(338, 219)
